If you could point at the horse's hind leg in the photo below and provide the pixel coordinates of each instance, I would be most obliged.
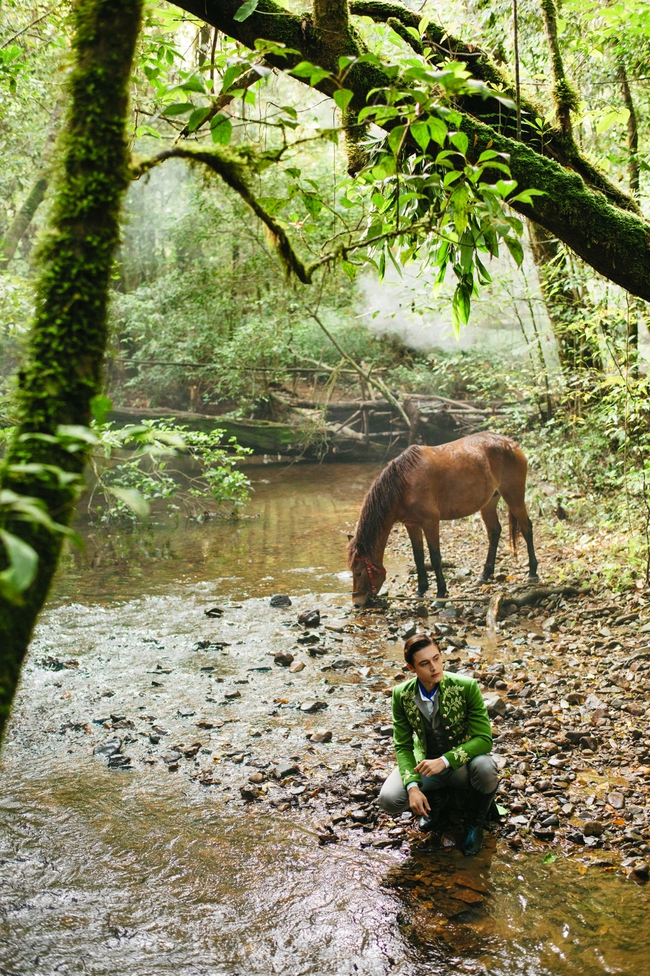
(415, 535)
(432, 533)
(493, 527)
(519, 516)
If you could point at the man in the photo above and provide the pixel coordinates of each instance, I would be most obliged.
(442, 737)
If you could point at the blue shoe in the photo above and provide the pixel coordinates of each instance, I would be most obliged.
(473, 841)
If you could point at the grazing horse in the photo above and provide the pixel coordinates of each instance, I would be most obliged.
(426, 484)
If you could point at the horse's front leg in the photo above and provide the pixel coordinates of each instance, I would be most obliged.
(432, 533)
(415, 535)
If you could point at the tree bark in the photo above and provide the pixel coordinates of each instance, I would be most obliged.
(61, 372)
(579, 206)
(21, 222)
(632, 129)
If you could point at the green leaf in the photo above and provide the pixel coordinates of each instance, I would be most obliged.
(313, 204)
(349, 269)
(177, 108)
(514, 246)
(395, 138)
(549, 858)
(99, 407)
(460, 141)
(198, 116)
(221, 129)
(343, 97)
(420, 132)
(23, 564)
(502, 811)
(437, 130)
(243, 13)
(132, 498)
(192, 84)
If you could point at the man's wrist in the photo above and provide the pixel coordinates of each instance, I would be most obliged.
(446, 762)
(414, 782)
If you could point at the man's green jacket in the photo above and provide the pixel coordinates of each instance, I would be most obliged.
(463, 721)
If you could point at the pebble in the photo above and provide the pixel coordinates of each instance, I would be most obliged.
(310, 618)
(283, 658)
(495, 705)
(313, 706)
(109, 748)
(593, 828)
(280, 600)
(297, 667)
(285, 769)
(250, 793)
(617, 800)
(324, 735)
(232, 694)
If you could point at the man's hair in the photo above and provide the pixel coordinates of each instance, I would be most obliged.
(416, 643)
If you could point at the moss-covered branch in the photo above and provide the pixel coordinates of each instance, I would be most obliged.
(580, 206)
(61, 372)
(232, 166)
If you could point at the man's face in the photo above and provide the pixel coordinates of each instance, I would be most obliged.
(427, 664)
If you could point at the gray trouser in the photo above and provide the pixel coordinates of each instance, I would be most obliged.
(479, 773)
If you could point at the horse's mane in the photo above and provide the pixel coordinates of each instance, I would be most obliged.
(381, 499)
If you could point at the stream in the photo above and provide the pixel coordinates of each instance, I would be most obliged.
(160, 866)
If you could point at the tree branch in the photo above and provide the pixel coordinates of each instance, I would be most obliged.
(598, 221)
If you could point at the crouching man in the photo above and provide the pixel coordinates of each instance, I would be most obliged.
(442, 737)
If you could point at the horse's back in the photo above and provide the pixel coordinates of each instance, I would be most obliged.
(483, 448)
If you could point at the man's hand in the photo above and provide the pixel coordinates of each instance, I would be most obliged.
(418, 802)
(430, 767)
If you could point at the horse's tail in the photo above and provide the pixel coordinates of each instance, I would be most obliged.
(514, 531)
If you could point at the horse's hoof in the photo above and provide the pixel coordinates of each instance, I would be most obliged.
(533, 579)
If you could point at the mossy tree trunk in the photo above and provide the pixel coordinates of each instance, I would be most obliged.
(61, 372)
(580, 206)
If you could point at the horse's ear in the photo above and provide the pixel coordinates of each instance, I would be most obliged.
(350, 536)
(361, 550)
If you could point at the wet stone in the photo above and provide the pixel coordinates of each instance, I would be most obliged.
(593, 828)
(283, 659)
(617, 800)
(313, 706)
(214, 612)
(256, 778)
(297, 667)
(308, 638)
(109, 748)
(250, 793)
(280, 600)
(495, 705)
(171, 757)
(117, 761)
(285, 769)
(230, 695)
(323, 735)
(310, 618)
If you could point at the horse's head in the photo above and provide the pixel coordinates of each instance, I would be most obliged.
(367, 579)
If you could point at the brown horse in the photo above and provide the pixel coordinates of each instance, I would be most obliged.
(426, 484)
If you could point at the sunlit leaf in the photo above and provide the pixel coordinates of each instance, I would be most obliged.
(221, 129)
(132, 498)
(23, 564)
(244, 12)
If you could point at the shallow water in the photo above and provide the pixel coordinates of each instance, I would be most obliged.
(143, 871)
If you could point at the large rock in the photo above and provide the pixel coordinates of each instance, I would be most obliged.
(495, 705)
(280, 600)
